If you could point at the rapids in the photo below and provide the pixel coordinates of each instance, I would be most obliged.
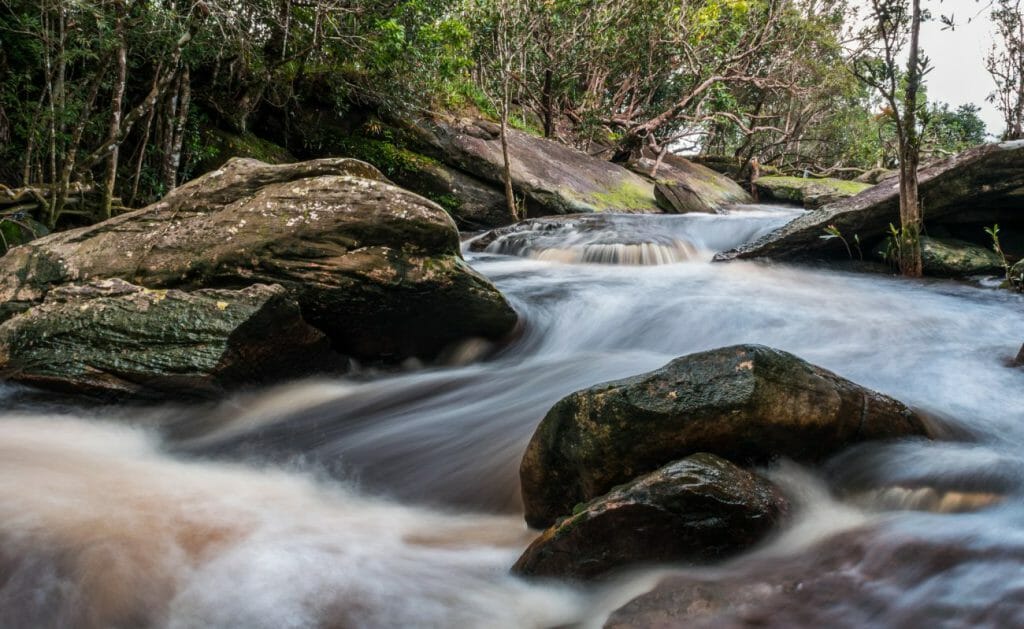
(392, 499)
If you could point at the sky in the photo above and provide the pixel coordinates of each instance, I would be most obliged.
(958, 58)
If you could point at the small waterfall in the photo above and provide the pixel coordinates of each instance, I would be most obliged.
(629, 239)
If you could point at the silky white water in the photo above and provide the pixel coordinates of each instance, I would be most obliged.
(393, 500)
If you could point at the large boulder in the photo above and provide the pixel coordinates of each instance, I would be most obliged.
(697, 510)
(747, 403)
(375, 267)
(809, 192)
(113, 338)
(981, 186)
(552, 177)
(682, 186)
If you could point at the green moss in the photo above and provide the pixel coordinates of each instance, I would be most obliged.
(629, 195)
(391, 159)
(220, 146)
(841, 186)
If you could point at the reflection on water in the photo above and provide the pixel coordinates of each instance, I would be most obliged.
(367, 503)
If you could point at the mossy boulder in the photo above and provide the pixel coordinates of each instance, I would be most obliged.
(552, 177)
(114, 339)
(375, 267)
(809, 192)
(949, 257)
(982, 185)
(747, 403)
(698, 510)
(682, 186)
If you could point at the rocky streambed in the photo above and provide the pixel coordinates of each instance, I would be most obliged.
(701, 442)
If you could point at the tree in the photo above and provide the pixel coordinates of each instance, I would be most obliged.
(895, 26)
(1005, 63)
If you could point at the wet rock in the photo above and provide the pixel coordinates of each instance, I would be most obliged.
(682, 186)
(375, 267)
(747, 403)
(553, 178)
(112, 338)
(1015, 277)
(949, 257)
(589, 239)
(697, 510)
(983, 185)
(809, 192)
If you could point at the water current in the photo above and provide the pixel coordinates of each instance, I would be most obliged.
(391, 500)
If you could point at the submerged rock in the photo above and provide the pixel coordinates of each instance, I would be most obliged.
(375, 267)
(806, 191)
(114, 339)
(747, 403)
(698, 510)
(982, 186)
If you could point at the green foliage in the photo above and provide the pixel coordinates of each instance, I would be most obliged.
(1012, 280)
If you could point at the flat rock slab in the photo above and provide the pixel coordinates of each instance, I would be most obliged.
(554, 178)
(114, 339)
(746, 403)
(697, 510)
(809, 192)
(981, 185)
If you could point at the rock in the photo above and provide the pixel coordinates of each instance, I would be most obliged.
(983, 185)
(809, 192)
(473, 203)
(949, 257)
(376, 268)
(747, 403)
(553, 178)
(114, 339)
(682, 186)
(1019, 360)
(876, 176)
(1015, 277)
(18, 229)
(697, 510)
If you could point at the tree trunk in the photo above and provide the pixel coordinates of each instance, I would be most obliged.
(116, 104)
(911, 218)
(172, 159)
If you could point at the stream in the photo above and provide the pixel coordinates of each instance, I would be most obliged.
(391, 500)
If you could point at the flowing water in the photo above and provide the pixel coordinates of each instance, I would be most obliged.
(392, 500)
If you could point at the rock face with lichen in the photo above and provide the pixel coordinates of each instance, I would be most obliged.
(697, 510)
(811, 193)
(552, 177)
(746, 403)
(112, 338)
(374, 267)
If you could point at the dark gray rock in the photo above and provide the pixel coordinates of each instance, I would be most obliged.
(697, 510)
